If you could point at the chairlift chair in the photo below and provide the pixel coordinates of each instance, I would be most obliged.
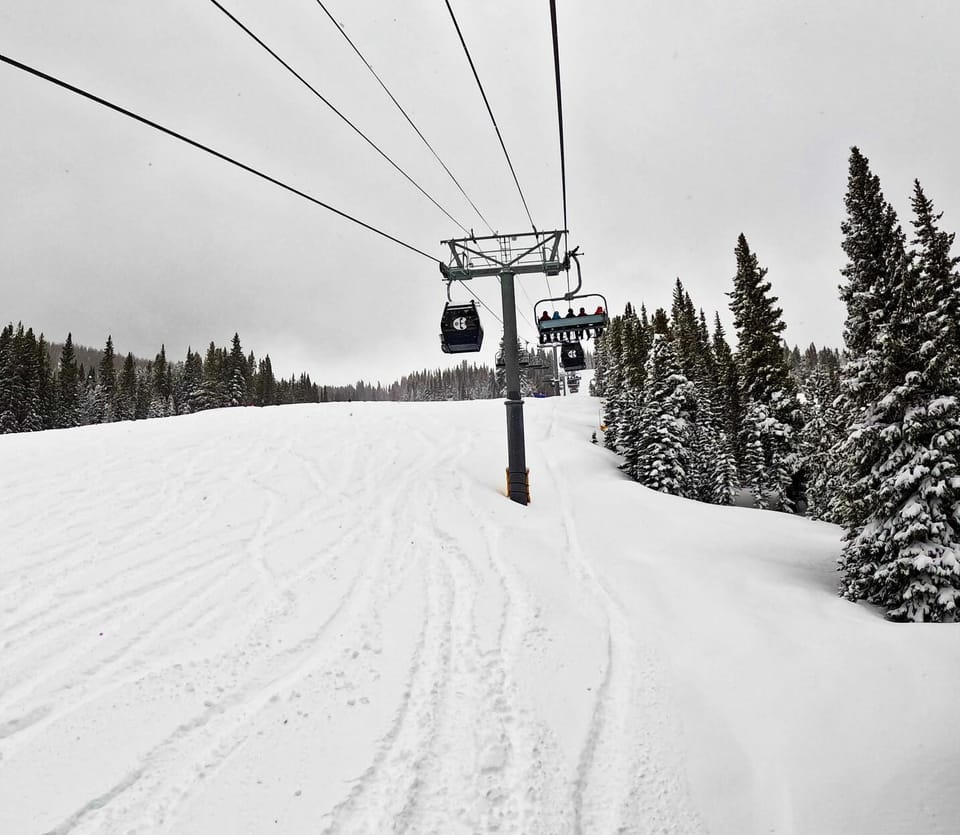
(536, 361)
(460, 328)
(523, 359)
(587, 326)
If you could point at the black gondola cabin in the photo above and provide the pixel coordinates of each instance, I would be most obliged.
(572, 357)
(460, 328)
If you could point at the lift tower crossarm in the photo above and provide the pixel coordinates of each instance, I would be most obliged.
(544, 250)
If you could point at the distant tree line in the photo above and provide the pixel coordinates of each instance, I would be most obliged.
(39, 392)
(869, 439)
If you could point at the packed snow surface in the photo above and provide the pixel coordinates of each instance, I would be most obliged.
(328, 619)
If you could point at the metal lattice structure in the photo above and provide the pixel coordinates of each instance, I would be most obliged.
(529, 252)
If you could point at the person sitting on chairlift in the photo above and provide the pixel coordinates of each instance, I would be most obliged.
(580, 329)
(570, 315)
(544, 337)
(599, 312)
(555, 335)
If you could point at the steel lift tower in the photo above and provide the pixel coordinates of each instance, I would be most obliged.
(508, 256)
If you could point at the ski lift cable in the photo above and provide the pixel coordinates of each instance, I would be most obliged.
(405, 115)
(327, 102)
(482, 302)
(463, 43)
(556, 71)
(495, 316)
(143, 120)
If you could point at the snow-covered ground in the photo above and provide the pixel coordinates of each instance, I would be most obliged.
(329, 619)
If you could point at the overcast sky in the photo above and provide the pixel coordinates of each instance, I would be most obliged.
(686, 124)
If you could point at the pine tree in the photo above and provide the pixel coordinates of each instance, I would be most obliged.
(236, 373)
(876, 251)
(764, 376)
(613, 387)
(126, 397)
(905, 554)
(46, 388)
(766, 387)
(266, 388)
(68, 387)
(724, 483)
(822, 436)
(106, 385)
(29, 405)
(211, 391)
(663, 459)
(10, 384)
(160, 394)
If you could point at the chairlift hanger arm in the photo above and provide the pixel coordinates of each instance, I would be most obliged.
(576, 260)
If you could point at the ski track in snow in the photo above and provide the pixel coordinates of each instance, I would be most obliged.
(625, 782)
(221, 617)
(451, 760)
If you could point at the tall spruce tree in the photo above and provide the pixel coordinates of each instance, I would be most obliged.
(106, 384)
(126, 397)
(875, 246)
(767, 391)
(663, 458)
(68, 387)
(236, 373)
(764, 375)
(10, 384)
(905, 555)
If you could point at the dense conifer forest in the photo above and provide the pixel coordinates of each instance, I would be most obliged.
(44, 386)
(868, 438)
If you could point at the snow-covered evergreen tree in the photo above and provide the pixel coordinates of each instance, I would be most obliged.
(668, 401)
(724, 482)
(236, 373)
(822, 435)
(68, 387)
(903, 552)
(772, 410)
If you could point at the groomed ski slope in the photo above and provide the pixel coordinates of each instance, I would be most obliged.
(328, 619)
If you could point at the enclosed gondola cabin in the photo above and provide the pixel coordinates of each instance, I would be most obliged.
(460, 329)
(572, 357)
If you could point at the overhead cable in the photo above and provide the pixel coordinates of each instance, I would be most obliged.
(490, 111)
(556, 68)
(329, 104)
(405, 115)
(492, 313)
(143, 120)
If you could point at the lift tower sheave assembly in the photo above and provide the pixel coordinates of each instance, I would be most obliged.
(508, 256)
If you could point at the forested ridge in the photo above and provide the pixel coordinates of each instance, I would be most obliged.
(44, 386)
